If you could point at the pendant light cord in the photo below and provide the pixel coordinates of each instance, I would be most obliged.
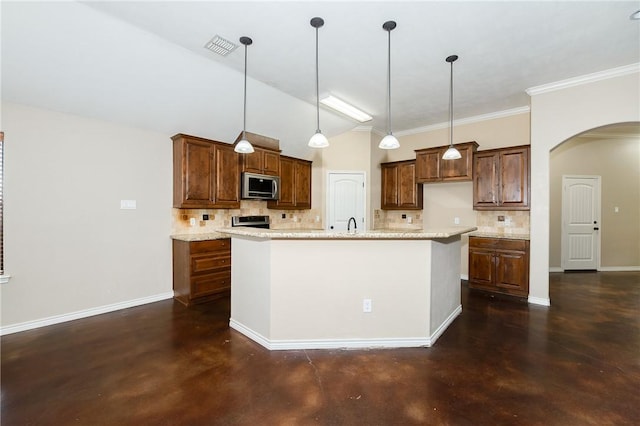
(389, 85)
(244, 123)
(317, 87)
(451, 107)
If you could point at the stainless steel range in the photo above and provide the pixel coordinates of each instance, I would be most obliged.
(251, 221)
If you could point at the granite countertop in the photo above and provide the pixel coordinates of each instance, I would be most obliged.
(200, 237)
(502, 236)
(320, 234)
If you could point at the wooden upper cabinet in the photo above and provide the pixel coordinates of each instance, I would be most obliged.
(295, 184)
(399, 188)
(266, 156)
(501, 179)
(430, 167)
(205, 173)
(261, 161)
(226, 192)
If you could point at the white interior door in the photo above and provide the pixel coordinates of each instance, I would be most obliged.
(580, 222)
(345, 199)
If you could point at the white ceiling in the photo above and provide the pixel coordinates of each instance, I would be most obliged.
(144, 64)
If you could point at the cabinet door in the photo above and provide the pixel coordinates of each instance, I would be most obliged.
(193, 167)
(227, 177)
(389, 186)
(271, 163)
(287, 183)
(409, 192)
(514, 178)
(460, 169)
(303, 184)
(512, 271)
(481, 268)
(485, 180)
(252, 163)
(428, 165)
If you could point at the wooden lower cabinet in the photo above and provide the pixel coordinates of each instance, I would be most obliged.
(201, 270)
(499, 265)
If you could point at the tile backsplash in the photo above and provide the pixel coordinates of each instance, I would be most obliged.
(392, 219)
(503, 222)
(221, 218)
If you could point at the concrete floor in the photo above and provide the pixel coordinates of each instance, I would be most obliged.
(502, 362)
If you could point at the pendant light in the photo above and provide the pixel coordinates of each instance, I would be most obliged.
(244, 146)
(452, 153)
(318, 140)
(389, 141)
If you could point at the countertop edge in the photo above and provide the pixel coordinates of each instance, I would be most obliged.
(393, 234)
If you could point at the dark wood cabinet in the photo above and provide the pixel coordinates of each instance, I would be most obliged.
(499, 265)
(399, 188)
(201, 270)
(295, 184)
(205, 173)
(430, 167)
(501, 179)
(261, 161)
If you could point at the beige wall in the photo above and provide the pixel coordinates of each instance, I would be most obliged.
(558, 114)
(617, 161)
(68, 246)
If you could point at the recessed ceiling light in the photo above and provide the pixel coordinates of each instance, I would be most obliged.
(220, 45)
(635, 15)
(345, 108)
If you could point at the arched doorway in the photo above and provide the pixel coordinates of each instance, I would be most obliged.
(611, 154)
(559, 112)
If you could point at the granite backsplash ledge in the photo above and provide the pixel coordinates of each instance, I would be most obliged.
(221, 218)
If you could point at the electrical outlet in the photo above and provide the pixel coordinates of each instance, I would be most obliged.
(404, 216)
(192, 221)
(205, 217)
(409, 219)
(456, 221)
(366, 305)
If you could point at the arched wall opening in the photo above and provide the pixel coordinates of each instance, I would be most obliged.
(612, 153)
(559, 112)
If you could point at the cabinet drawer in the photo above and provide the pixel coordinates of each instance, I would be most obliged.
(208, 262)
(210, 245)
(211, 283)
(498, 243)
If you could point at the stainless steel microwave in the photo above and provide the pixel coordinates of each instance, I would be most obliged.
(260, 187)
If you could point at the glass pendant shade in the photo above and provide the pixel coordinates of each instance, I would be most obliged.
(451, 154)
(244, 146)
(318, 140)
(389, 142)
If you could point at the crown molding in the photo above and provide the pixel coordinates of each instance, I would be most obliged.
(584, 79)
(468, 120)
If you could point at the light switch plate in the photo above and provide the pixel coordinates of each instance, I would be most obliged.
(127, 204)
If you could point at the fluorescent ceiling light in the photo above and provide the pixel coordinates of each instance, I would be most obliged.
(345, 108)
(220, 45)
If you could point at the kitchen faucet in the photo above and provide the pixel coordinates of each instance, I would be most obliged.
(354, 224)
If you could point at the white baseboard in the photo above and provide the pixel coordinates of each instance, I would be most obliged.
(56, 319)
(544, 301)
(404, 342)
(603, 269)
(619, 268)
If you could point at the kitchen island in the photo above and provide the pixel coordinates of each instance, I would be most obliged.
(310, 289)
